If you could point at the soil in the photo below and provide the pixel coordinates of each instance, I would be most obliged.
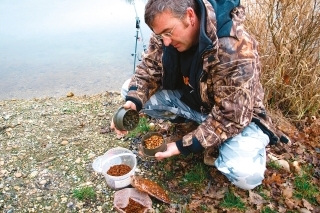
(47, 147)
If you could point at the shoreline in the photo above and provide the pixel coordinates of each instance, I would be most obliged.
(61, 94)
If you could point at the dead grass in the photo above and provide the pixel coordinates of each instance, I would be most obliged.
(288, 33)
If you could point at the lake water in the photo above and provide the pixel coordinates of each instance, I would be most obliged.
(48, 48)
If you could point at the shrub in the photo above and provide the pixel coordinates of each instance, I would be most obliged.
(288, 33)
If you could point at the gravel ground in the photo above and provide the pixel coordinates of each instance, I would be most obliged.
(47, 147)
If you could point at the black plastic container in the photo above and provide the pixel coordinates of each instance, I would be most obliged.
(126, 119)
(152, 152)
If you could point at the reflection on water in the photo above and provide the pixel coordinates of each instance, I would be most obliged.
(48, 48)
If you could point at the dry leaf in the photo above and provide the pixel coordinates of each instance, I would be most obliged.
(282, 209)
(194, 204)
(307, 204)
(286, 79)
(290, 204)
(255, 198)
(275, 178)
(287, 192)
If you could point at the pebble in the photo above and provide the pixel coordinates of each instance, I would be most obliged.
(70, 94)
(70, 205)
(78, 160)
(47, 208)
(91, 155)
(63, 143)
(42, 182)
(18, 174)
(10, 211)
(33, 174)
(64, 199)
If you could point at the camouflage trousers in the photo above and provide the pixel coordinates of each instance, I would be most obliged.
(242, 159)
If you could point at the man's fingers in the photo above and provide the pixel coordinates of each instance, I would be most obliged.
(161, 155)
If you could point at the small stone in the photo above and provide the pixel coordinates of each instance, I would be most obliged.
(64, 199)
(91, 155)
(18, 174)
(152, 126)
(70, 94)
(47, 208)
(78, 160)
(42, 182)
(63, 143)
(33, 174)
(70, 205)
(1, 163)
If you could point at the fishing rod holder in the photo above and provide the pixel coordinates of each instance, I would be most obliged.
(138, 29)
(135, 48)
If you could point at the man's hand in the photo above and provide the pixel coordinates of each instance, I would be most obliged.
(130, 105)
(172, 150)
(121, 133)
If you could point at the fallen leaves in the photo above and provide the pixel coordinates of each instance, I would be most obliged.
(256, 199)
(274, 179)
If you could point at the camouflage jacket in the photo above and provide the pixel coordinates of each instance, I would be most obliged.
(229, 84)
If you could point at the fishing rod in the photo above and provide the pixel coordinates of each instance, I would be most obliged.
(138, 29)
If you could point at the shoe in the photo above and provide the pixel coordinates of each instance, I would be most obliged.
(181, 129)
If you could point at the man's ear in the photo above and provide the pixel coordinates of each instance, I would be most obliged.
(191, 15)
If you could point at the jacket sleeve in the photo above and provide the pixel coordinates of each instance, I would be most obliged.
(232, 86)
(147, 78)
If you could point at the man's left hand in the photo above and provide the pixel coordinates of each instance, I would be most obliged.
(172, 150)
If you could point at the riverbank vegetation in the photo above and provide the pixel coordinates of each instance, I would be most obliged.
(288, 33)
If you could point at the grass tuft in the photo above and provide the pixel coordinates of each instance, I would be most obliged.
(304, 187)
(196, 175)
(142, 128)
(231, 201)
(85, 193)
(274, 165)
(268, 210)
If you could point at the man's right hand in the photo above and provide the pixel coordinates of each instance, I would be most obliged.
(121, 133)
(130, 105)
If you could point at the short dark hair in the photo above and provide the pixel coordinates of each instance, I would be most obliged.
(177, 7)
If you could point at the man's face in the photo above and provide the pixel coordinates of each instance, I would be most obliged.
(174, 31)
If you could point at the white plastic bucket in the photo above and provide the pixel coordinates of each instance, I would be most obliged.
(113, 157)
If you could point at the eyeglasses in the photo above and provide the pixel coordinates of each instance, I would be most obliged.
(168, 34)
